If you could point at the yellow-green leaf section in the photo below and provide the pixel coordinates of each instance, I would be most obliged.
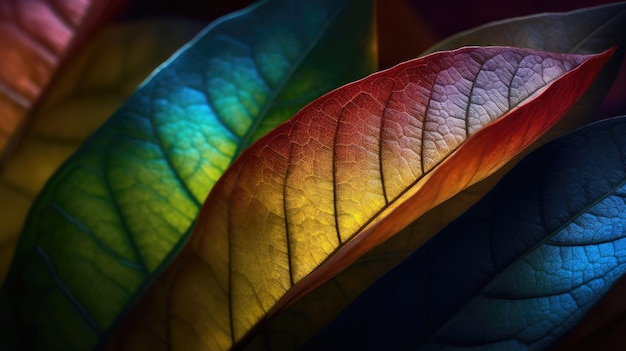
(116, 212)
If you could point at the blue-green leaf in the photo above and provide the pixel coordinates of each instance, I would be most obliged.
(119, 209)
(516, 271)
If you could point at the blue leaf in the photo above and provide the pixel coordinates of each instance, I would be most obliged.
(515, 272)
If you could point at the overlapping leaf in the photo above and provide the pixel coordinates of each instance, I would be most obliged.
(110, 218)
(348, 171)
(96, 83)
(34, 37)
(516, 271)
(581, 31)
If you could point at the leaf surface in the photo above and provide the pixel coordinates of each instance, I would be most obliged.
(35, 36)
(347, 172)
(110, 219)
(517, 270)
(602, 327)
(102, 76)
(582, 31)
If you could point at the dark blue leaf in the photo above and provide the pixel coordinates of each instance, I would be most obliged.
(515, 272)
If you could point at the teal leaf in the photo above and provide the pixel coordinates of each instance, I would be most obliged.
(114, 215)
(516, 271)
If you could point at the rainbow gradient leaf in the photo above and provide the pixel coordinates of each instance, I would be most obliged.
(515, 272)
(348, 171)
(35, 37)
(115, 213)
(583, 31)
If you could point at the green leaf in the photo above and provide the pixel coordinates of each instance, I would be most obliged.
(120, 208)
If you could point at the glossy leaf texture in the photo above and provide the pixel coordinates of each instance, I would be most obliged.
(515, 272)
(582, 31)
(112, 216)
(35, 35)
(344, 174)
(102, 75)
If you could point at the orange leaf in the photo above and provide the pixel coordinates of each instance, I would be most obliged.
(347, 172)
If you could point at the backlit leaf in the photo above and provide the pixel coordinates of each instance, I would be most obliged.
(516, 271)
(582, 31)
(35, 35)
(110, 219)
(91, 88)
(347, 172)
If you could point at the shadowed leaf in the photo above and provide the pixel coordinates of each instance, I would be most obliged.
(515, 272)
(112, 216)
(93, 86)
(344, 174)
(35, 36)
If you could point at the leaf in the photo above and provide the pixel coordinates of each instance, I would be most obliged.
(344, 174)
(583, 31)
(451, 19)
(517, 270)
(95, 83)
(112, 217)
(35, 35)
(601, 327)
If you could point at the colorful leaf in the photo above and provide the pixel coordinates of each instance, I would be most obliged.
(35, 35)
(448, 18)
(516, 271)
(110, 219)
(91, 88)
(344, 174)
(582, 31)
